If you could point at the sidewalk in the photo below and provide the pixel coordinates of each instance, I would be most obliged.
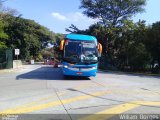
(12, 70)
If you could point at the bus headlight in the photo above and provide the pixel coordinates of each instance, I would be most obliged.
(93, 67)
(65, 66)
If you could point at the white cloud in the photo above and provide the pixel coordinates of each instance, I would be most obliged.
(58, 16)
(72, 17)
(63, 21)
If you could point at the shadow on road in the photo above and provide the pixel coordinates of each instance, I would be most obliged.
(47, 73)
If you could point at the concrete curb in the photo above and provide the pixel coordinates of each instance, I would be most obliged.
(131, 73)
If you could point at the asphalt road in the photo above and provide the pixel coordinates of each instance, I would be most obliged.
(41, 92)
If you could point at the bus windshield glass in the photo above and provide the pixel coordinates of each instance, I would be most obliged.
(81, 52)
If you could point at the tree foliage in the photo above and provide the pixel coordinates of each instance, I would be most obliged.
(112, 12)
(153, 43)
(27, 35)
(112, 15)
(30, 37)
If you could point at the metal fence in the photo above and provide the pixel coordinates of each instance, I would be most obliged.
(6, 59)
(2, 60)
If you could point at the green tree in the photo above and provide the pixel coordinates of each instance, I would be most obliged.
(153, 43)
(130, 47)
(47, 53)
(112, 12)
(27, 35)
(3, 36)
(112, 15)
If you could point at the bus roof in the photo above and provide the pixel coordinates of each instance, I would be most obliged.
(80, 37)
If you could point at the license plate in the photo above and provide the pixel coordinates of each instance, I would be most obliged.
(79, 73)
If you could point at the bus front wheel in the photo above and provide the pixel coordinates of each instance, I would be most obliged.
(66, 76)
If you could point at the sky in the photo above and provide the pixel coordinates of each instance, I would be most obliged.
(60, 14)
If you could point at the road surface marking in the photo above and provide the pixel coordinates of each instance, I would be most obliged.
(108, 113)
(38, 101)
(135, 92)
(147, 103)
(52, 104)
(49, 97)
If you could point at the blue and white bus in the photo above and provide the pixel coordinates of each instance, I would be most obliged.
(80, 56)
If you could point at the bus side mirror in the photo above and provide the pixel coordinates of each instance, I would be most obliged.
(99, 49)
(61, 44)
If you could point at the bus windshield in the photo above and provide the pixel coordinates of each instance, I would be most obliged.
(81, 52)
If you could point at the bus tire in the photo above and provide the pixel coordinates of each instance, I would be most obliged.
(66, 76)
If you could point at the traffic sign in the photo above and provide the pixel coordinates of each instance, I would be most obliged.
(17, 51)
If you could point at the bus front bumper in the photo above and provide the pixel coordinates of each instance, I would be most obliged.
(80, 71)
